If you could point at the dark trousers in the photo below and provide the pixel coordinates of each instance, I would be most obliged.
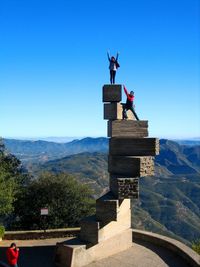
(112, 76)
(125, 108)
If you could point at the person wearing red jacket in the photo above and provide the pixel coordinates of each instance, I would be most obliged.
(129, 104)
(12, 254)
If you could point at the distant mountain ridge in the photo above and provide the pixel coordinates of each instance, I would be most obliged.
(174, 159)
(169, 202)
(188, 142)
(44, 151)
(179, 159)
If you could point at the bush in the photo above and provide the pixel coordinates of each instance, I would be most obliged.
(196, 246)
(2, 231)
(68, 202)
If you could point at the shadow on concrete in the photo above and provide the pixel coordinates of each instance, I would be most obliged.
(43, 256)
(170, 258)
(37, 256)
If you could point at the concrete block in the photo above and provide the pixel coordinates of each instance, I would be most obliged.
(112, 93)
(74, 253)
(129, 166)
(90, 230)
(127, 128)
(123, 188)
(113, 111)
(93, 231)
(66, 251)
(107, 208)
(133, 146)
(113, 228)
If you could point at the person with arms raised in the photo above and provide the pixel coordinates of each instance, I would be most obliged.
(113, 66)
(129, 104)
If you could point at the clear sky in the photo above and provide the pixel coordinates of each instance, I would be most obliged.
(53, 65)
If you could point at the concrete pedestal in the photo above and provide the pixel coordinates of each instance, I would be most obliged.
(75, 253)
(98, 239)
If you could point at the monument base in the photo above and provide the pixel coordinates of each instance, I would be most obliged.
(75, 253)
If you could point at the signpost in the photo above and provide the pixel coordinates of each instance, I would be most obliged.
(44, 212)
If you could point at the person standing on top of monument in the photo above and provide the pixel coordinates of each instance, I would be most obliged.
(129, 104)
(113, 66)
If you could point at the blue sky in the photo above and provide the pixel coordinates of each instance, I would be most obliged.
(53, 65)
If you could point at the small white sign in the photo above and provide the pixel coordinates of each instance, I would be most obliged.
(44, 211)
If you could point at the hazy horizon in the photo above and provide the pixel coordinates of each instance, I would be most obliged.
(62, 139)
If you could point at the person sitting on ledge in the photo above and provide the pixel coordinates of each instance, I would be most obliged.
(113, 66)
(129, 104)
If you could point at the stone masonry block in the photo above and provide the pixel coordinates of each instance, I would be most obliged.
(127, 128)
(121, 146)
(113, 111)
(131, 166)
(124, 187)
(112, 93)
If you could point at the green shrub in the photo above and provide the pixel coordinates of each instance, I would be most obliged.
(68, 202)
(2, 231)
(196, 246)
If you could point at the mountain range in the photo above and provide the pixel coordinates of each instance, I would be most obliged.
(27, 150)
(169, 202)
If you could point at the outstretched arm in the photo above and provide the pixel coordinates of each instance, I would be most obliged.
(117, 56)
(125, 90)
(108, 56)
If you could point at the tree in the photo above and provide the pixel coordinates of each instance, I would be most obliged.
(196, 246)
(67, 200)
(12, 178)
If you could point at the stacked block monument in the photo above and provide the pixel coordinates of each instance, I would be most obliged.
(131, 156)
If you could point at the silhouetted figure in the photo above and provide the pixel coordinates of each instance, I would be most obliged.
(113, 66)
(129, 104)
(12, 254)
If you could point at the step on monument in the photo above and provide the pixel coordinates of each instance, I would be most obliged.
(131, 156)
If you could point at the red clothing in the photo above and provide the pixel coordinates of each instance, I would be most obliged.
(129, 97)
(12, 256)
(129, 100)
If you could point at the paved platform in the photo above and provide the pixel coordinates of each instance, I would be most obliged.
(39, 253)
(142, 254)
(33, 253)
(33, 242)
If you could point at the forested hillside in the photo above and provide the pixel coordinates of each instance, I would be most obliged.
(169, 203)
(22, 196)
